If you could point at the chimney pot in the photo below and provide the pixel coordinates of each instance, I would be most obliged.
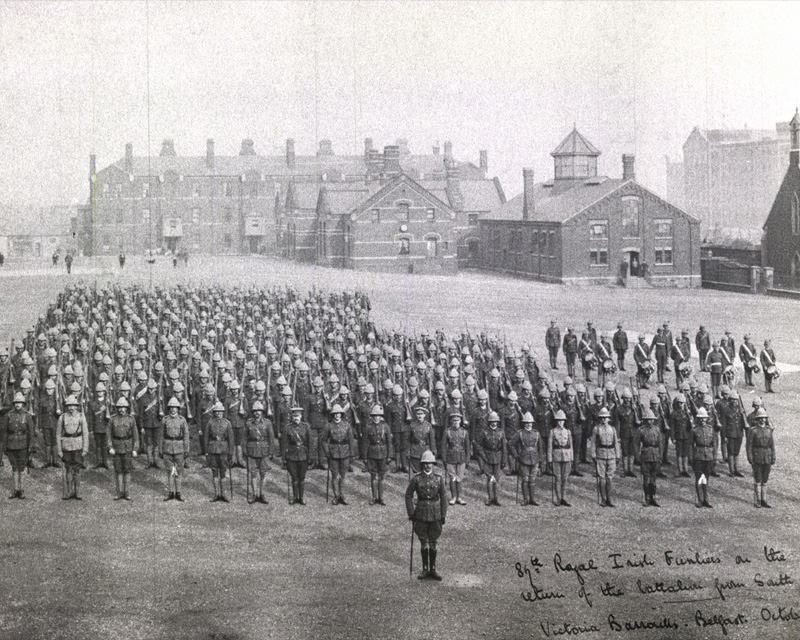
(484, 162)
(453, 187)
(367, 146)
(391, 160)
(168, 148)
(210, 153)
(290, 152)
(402, 144)
(129, 158)
(528, 185)
(628, 172)
(325, 148)
(436, 149)
(448, 150)
(248, 148)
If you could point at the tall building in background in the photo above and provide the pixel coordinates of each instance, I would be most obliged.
(238, 204)
(728, 179)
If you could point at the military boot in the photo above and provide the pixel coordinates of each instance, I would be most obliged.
(764, 502)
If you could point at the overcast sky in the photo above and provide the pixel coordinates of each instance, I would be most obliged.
(512, 78)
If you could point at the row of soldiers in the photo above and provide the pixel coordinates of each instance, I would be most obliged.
(607, 355)
(243, 376)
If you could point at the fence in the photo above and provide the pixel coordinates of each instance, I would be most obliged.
(726, 274)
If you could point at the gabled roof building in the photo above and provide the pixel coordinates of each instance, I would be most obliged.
(582, 228)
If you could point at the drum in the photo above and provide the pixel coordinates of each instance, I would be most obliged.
(589, 360)
(774, 372)
(685, 369)
(753, 364)
(647, 367)
(609, 366)
(728, 372)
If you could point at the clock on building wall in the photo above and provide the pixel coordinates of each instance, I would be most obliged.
(403, 228)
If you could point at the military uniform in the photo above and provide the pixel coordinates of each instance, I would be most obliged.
(124, 443)
(570, 347)
(99, 417)
(761, 455)
(732, 420)
(529, 450)
(428, 515)
(604, 448)
(456, 452)
(552, 340)
(651, 442)
(175, 448)
(339, 445)
(377, 450)
(701, 454)
(296, 445)
(702, 341)
(559, 455)
(620, 341)
(493, 449)
(421, 439)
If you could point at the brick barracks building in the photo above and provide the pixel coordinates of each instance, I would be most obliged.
(581, 228)
(250, 203)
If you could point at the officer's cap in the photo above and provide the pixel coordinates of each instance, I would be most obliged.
(456, 415)
(297, 409)
(702, 413)
(428, 457)
(527, 418)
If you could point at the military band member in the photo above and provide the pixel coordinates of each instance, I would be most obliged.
(701, 455)
(559, 454)
(681, 423)
(620, 346)
(421, 438)
(339, 446)
(175, 448)
(493, 450)
(377, 450)
(605, 451)
(641, 355)
(659, 347)
(72, 444)
(570, 347)
(220, 445)
(702, 341)
(296, 439)
(681, 353)
(429, 513)
(552, 340)
(123, 447)
(456, 451)
(587, 355)
(605, 360)
(769, 366)
(747, 354)
(761, 456)
(529, 451)
(715, 364)
(651, 444)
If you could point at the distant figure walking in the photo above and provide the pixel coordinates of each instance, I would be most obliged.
(2, 258)
(121, 260)
(174, 261)
(68, 262)
(55, 259)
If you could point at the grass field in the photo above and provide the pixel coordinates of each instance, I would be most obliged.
(148, 569)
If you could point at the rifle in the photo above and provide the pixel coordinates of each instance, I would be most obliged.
(637, 397)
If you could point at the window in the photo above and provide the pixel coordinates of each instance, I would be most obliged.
(581, 166)
(196, 215)
(253, 189)
(196, 191)
(664, 256)
(598, 258)
(105, 189)
(173, 224)
(145, 216)
(403, 211)
(227, 240)
(227, 214)
(430, 214)
(795, 215)
(117, 190)
(552, 244)
(663, 228)
(146, 190)
(543, 243)
(376, 215)
(534, 242)
(630, 217)
(598, 229)
(228, 189)
(565, 167)
(472, 219)
(405, 246)
(432, 247)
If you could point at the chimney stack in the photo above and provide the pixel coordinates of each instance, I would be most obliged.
(367, 147)
(374, 163)
(210, 153)
(290, 152)
(129, 158)
(168, 148)
(402, 143)
(627, 166)
(484, 163)
(794, 128)
(454, 194)
(325, 148)
(528, 186)
(391, 160)
(248, 148)
(448, 151)
(436, 149)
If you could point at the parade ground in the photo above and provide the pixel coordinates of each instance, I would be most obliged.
(149, 569)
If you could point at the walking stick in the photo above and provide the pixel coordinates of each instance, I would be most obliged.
(327, 482)
(411, 553)
(597, 475)
(247, 491)
(288, 495)
(516, 490)
(230, 479)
